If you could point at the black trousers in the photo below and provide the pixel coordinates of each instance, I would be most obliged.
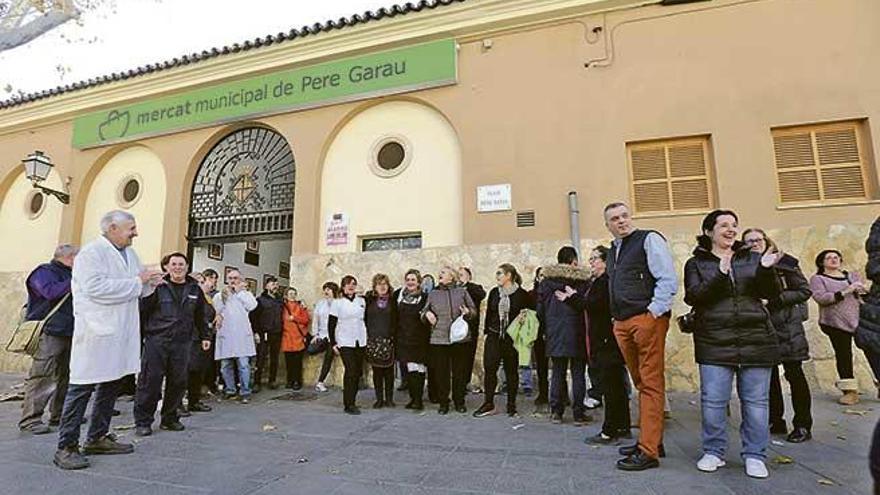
(472, 357)
(294, 363)
(498, 350)
(800, 396)
(617, 415)
(270, 345)
(353, 361)
(161, 359)
(874, 458)
(199, 361)
(448, 363)
(595, 391)
(383, 383)
(327, 363)
(558, 394)
(542, 363)
(841, 341)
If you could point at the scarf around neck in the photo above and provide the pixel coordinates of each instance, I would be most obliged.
(504, 305)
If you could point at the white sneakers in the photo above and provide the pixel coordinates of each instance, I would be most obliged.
(320, 387)
(591, 403)
(710, 463)
(756, 468)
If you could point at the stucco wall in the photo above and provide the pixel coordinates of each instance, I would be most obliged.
(28, 240)
(391, 205)
(103, 196)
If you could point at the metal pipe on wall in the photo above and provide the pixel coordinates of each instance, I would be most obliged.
(575, 223)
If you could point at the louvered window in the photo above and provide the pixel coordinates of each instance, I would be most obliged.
(820, 163)
(671, 175)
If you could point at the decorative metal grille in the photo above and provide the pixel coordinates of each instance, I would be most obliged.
(393, 243)
(244, 187)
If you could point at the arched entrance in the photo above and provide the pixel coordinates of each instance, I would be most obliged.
(241, 213)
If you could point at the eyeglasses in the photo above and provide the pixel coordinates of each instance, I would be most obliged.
(499, 273)
(594, 258)
(754, 241)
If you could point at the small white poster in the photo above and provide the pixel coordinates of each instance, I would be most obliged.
(337, 230)
(494, 198)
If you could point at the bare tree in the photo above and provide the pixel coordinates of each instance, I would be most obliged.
(24, 20)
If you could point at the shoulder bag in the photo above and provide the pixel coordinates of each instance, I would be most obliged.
(25, 338)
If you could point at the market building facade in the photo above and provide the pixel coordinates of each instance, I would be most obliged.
(455, 131)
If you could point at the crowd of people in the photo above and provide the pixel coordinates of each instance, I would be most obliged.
(607, 320)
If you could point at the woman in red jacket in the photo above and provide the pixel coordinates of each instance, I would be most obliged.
(295, 317)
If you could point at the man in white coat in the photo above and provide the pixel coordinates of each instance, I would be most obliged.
(108, 281)
(235, 337)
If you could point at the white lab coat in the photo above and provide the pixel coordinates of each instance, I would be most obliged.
(107, 329)
(235, 337)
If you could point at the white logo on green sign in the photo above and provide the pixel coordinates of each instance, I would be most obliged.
(394, 71)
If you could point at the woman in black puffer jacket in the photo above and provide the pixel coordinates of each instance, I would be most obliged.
(788, 312)
(868, 331)
(725, 283)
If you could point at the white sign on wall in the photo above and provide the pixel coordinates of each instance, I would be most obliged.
(337, 230)
(494, 198)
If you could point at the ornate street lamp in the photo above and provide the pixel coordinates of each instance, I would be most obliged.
(37, 167)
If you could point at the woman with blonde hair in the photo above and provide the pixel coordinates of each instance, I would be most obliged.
(449, 358)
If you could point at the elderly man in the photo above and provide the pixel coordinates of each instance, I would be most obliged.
(48, 289)
(235, 337)
(173, 317)
(108, 281)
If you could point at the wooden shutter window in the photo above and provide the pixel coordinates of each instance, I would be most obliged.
(819, 163)
(670, 176)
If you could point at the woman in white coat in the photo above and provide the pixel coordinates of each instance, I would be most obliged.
(348, 336)
(108, 281)
(235, 337)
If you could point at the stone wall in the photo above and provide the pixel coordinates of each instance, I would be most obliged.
(309, 272)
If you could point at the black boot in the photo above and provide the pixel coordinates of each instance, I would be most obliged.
(416, 382)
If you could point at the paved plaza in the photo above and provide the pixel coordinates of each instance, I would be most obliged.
(277, 445)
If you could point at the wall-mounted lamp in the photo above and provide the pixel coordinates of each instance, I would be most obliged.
(37, 167)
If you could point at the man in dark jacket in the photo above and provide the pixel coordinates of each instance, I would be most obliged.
(268, 326)
(560, 306)
(200, 359)
(171, 318)
(48, 286)
(868, 331)
(642, 283)
(477, 293)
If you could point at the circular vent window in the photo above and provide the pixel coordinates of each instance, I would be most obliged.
(129, 191)
(35, 204)
(390, 156)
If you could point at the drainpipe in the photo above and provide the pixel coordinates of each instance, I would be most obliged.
(574, 218)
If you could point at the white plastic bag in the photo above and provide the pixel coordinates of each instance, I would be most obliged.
(458, 331)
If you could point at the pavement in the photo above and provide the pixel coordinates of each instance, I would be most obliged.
(302, 443)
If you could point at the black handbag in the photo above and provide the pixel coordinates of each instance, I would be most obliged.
(317, 346)
(687, 322)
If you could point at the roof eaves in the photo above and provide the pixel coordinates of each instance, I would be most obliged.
(293, 34)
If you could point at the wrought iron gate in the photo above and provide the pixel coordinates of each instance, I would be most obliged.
(244, 188)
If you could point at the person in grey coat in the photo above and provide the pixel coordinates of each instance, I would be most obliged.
(448, 360)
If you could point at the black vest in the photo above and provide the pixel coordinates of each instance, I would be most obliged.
(168, 317)
(630, 282)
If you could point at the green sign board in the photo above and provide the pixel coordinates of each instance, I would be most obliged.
(394, 71)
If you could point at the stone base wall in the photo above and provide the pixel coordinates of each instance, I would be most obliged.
(309, 272)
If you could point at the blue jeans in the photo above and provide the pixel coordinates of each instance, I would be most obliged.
(753, 388)
(227, 369)
(75, 403)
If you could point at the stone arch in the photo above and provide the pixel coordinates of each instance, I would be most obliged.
(424, 198)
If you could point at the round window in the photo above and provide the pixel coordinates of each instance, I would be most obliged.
(391, 155)
(36, 202)
(129, 191)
